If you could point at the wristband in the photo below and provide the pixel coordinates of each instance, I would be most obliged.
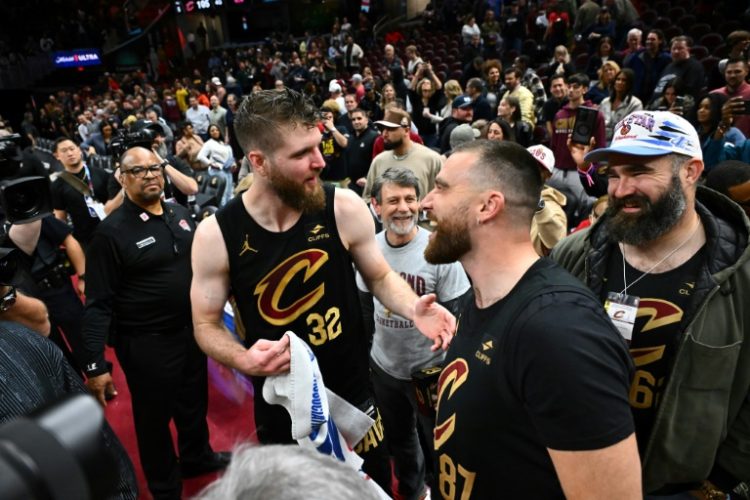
(587, 174)
(94, 369)
(82, 276)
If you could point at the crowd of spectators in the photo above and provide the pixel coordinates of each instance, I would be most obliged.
(464, 64)
(520, 74)
(521, 68)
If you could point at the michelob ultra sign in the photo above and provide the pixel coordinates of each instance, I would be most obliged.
(76, 58)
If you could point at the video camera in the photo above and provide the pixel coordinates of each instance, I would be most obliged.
(143, 133)
(23, 199)
(57, 453)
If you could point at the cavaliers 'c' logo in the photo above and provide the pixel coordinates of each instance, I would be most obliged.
(451, 378)
(271, 288)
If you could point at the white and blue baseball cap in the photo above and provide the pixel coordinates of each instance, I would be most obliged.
(651, 133)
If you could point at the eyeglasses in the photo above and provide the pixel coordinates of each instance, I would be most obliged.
(140, 172)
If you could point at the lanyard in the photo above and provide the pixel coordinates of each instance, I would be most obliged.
(87, 175)
(624, 279)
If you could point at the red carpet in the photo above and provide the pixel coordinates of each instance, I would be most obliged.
(230, 421)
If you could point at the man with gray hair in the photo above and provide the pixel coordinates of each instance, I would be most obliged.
(287, 472)
(634, 44)
(670, 260)
(398, 349)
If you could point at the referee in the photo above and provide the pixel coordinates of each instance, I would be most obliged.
(138, 282)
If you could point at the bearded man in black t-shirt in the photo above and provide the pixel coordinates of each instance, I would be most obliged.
(533, 397)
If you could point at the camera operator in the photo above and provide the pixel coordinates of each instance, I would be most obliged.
(15, 306)
(179, 182)
(79, 191)
(138, 270)
(50, 255)
(153, 115)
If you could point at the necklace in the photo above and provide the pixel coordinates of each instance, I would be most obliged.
(401, 157)
(674, 251)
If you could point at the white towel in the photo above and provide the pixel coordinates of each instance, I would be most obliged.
(312, 407)
(320, 419)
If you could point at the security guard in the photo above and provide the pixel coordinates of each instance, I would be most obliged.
(138, 282)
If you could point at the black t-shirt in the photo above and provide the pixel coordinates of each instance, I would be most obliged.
(542, 368)
(550, 109)
(66, 197)
(359, 156)
(447, 127)
(52, 235)
(435, 104)
(333, 154)
(663, 299)
(46, 255)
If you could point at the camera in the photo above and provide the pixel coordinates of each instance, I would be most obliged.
(57, 453)
(23, 199)
(142, 134)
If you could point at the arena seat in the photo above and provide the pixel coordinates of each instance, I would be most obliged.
(697, 30)
(711, 40)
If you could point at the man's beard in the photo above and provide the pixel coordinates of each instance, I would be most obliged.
(295, 195)
(150, 197)
(654, 220)
(450, 240)
(402, 227)
(388, 146)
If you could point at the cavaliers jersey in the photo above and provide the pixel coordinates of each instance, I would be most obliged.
(301, 280)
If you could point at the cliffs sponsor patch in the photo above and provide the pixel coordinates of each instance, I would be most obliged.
(486, 349)
(316, 232)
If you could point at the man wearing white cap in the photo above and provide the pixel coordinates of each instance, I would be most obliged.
(401, 151)
(669, 259)
(550, 224)
(358, 86)
(334, 88)
(218, 89)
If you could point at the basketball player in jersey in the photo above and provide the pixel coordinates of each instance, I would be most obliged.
(284, 250)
